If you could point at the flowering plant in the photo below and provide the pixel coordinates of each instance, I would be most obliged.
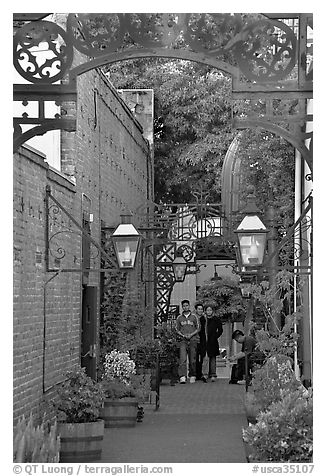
(283, 433)
(118, 366)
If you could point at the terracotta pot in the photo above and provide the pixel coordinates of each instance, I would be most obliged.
(81, 442)
(120, 413)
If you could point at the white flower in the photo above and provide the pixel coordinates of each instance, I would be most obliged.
(119, 365)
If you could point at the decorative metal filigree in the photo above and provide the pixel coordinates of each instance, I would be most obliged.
(59, 242)
(299, 249)
(265, 50)
(43, 53)
(64, 253)
(182, 222)
(275, 113)
(252, 47)
(95, 34)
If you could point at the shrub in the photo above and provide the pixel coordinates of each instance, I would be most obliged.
(283, 433)
(116, 389)
(79, 398)
(141, 383)
(273, 380)
(145, 353)
(38, 444)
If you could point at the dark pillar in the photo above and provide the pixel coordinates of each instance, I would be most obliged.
(272, 242)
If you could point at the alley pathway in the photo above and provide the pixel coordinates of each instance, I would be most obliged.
(196, 423)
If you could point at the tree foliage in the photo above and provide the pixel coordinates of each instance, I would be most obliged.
(224, 294)
(192, 123)
(268, 165)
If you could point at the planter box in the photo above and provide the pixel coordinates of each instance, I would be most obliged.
(81, 442)
(120, 413)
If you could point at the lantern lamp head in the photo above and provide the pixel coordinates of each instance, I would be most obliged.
(252, 238)
(126, 240)
(179, 269)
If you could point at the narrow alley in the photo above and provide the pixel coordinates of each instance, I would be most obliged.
(196, 423)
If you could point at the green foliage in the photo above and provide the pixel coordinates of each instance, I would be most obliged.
(268, 165)
(138, 386)
(281, 344)
(274, 300)
(120, 379)
(116, 389)
(284, 432)
(35, 444)
(192, 122)
(273, 380)
(79, 398)
(145, 353)
(141, 384)
(225, 294)
(112, 326)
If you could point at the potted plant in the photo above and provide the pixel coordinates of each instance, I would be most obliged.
(120, 404)
(78, 403)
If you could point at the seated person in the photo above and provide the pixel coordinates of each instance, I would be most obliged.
(248, 347)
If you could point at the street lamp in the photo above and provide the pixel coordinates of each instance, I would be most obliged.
(251, 236)
(126, 241)
(179, 266)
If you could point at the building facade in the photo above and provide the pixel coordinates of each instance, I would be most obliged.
(106, 168)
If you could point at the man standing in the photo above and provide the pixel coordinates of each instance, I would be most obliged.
(187, 327)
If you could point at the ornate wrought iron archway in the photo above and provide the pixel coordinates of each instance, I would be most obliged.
(267, 60)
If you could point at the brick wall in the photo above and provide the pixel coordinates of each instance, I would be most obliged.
(46, 316)
(106, 168)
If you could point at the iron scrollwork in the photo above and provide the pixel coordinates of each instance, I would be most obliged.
(66, 254)
(40, 68)
(264, 49)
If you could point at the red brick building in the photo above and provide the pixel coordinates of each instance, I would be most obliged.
(106, 168)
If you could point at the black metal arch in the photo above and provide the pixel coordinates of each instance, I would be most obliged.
(111, 58)
(209, 37)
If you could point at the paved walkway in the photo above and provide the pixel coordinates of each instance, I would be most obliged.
(196, 423)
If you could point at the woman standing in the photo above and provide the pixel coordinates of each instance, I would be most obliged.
(210, 331)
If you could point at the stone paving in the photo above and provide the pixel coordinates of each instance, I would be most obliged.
(196, 423)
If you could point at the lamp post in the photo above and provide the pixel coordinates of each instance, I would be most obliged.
(250, 250)
(126, 240)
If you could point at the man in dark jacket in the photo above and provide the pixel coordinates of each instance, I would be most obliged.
(199, 308)
(187, 328)
(247, 348)
(211, 330)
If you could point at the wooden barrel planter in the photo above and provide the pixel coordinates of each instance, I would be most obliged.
(81, 442)
(120, 413)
